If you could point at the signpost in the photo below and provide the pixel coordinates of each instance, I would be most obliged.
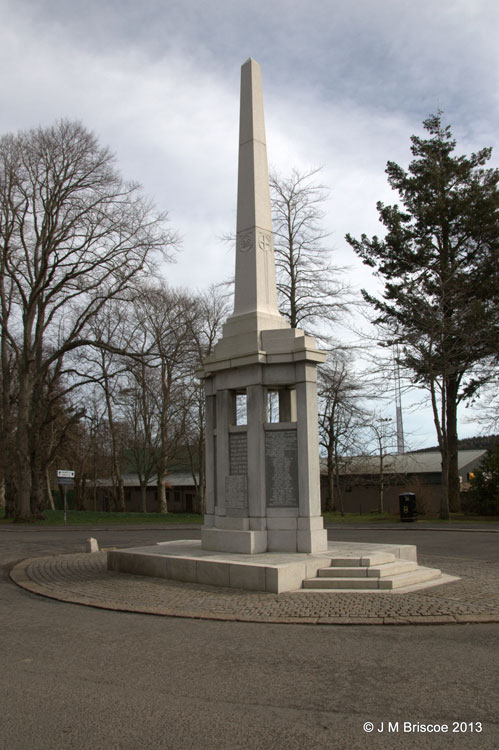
(65, 478)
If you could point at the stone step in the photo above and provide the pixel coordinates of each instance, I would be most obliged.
(341, 583)
(363, 582)
(408, 579)
(376, 558)
(374, 571)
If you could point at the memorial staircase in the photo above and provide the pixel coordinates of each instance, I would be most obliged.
(382, 571)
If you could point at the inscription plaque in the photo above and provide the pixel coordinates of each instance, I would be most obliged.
(281, 468)
(238, 453)
(236, 493)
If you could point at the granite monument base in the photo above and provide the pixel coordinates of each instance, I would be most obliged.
(271, 540)
(345, 566)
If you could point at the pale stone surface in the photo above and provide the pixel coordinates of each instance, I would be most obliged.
(92, 545)
(213, 573)
(255, 294)
(285, 578)
(274, 572)
(311, 541)
(281, 540)
(286, 523)
(243, 542)
(252, 577)
(314, 522)
(262, 469)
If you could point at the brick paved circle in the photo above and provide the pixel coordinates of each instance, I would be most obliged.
(84, 579)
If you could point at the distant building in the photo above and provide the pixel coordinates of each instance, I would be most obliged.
(180, 493)
(421, 473)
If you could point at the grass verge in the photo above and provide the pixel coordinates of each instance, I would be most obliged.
(374, 518)
(96, 518)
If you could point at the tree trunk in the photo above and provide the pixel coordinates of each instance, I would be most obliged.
(444, 497)
(23, 469)
(37, 483)
(330, 502)
(143, 496)
(439, 419)
(48, 489)
(163, 505)
(381, 503)
(454, 486)
(339, 492)
(10, 495)
(120, 492)
(80, 489)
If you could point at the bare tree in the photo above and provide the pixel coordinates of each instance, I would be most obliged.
(89, 455)
(108, 367)
(54, 420)
(311, 293)
(383, 436)
(74, 236)
(140, 413)
(213, 310)
(168, 319)
(341, 420)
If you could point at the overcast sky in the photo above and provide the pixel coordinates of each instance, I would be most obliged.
(346, 83)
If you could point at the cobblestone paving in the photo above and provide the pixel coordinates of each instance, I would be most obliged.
(83, 578)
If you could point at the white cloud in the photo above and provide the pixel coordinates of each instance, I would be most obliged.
(345, 84)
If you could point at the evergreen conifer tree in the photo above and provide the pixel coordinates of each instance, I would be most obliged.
(439, 261)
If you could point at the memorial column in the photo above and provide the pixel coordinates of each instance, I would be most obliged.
(308, 441)
(210, 453)
(224, 411)
(256, 450)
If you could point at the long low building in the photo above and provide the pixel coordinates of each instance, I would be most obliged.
(358, 484)
(361, 478)
(181, 493)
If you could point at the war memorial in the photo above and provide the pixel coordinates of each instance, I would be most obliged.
(263, 528)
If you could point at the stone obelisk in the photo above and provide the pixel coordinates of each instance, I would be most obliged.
(255, 293)
(262, 448)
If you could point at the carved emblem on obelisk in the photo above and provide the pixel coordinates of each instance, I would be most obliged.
(245, 242)
(264, 241)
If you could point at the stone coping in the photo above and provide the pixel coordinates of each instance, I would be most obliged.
(82, 578)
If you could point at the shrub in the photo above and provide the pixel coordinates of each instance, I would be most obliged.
(484, 495)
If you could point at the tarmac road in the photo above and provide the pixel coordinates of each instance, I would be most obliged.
(79, 677)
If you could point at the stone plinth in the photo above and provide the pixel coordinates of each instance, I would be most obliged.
(272, 572)
(262, 454)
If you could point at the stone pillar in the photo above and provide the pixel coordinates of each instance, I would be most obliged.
(210, 452)
(224, 412)
(308, 442)
(287, 405)
(311, 535)
(256, 451)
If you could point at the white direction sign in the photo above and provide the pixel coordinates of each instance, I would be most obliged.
(65, 476)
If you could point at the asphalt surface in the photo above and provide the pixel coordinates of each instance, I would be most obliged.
(78, 677)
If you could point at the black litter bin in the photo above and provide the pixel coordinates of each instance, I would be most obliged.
(407, 502)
